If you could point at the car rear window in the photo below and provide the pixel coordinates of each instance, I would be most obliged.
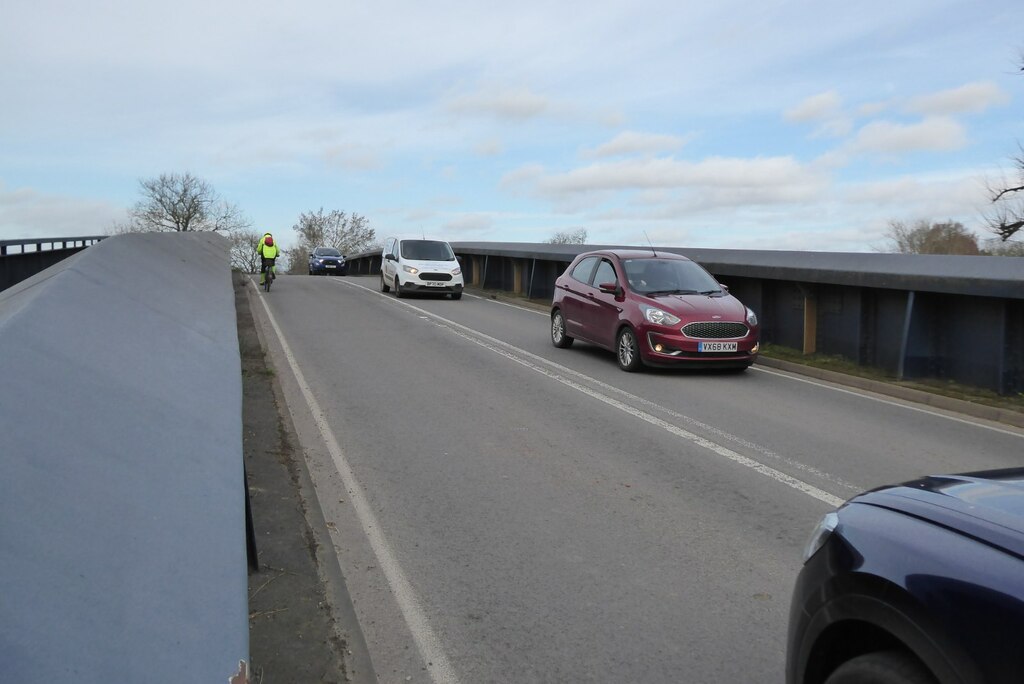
(427, 250)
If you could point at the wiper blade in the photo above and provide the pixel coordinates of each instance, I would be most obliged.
(658, 293)
(711, 292)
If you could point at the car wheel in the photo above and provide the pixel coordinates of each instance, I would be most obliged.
(456, 295)
(627, 350)
(882, 667)
(383, 284)
(398, 288)
(558, 336)
(310, 271)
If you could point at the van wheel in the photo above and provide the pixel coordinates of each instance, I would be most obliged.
(383, 284)
(456, 295)
(398, 288)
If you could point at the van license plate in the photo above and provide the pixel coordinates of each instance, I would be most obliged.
(716, 346)
(433, 283)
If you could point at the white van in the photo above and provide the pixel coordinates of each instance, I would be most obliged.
(414, 265)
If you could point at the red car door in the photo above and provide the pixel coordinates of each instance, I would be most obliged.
(575, 303)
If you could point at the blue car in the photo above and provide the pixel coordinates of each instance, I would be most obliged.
(920, 583)
(327, 261)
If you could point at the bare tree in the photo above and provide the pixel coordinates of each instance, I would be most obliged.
(348, 233)
(181, 202)
(925, 237)
(1006, 216)
(243, 250)
(566, 237)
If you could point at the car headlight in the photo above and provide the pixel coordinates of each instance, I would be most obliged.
(821, 533)
(659, 317)
(317, 261)
(410, 269)
(751, 316)
(456, 271)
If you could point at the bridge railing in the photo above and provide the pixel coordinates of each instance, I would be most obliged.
(21, 259)
(123, 551)
(958, 318)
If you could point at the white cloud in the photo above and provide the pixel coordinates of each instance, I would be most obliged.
(518, 104)
(26, 213)
(632, 142)
(970, 98)
(670, 173)
(935, 134)
(819, 107)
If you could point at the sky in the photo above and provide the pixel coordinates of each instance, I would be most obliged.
(806, 125)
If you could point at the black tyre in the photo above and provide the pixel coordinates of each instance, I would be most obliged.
(383, 284)
(456, 295)
(558, 336)
(882, 667)
(268, 278)
(627, 350)
(398, 288)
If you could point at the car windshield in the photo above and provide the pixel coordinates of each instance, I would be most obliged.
(327, 251)
(668, 276)
(427, 250)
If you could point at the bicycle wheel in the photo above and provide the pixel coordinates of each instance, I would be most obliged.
(268, 278)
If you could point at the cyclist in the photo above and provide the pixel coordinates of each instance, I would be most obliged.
(268, 252)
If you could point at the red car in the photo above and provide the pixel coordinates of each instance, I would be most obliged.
(652, 308)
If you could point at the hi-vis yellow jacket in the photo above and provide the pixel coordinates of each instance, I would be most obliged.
(267, 251)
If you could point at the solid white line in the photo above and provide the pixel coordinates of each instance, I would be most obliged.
(429, 645)
(515, 354)
(863, 394)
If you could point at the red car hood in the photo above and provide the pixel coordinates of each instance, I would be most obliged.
(701, 307)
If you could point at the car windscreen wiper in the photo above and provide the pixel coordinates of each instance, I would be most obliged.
(711, 292)
(658, 293)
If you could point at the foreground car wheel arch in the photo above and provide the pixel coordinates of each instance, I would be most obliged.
(627, 350)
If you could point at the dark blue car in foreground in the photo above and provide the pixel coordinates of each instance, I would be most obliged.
(918, 583)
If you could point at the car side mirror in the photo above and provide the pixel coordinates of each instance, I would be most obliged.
(310, 255)
(609, 288)
(724, 287)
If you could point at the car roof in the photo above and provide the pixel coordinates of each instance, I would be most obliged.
(988, 505)
(635, 254)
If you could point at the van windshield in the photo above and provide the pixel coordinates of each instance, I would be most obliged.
(427, 250)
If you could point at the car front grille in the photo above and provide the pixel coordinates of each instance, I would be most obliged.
(435, 276)
(715, 330)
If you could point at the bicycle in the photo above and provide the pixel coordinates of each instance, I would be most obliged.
(268, 275)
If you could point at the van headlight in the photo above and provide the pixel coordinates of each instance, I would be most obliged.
(410, 269)
(456, 271)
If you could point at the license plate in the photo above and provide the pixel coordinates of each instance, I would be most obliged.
(716, 346)
(331, 266)
(433, 283)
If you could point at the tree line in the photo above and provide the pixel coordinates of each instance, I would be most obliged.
(181, 202)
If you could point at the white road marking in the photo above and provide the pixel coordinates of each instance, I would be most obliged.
(429, 645)
(521, 356)
(863, 394)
